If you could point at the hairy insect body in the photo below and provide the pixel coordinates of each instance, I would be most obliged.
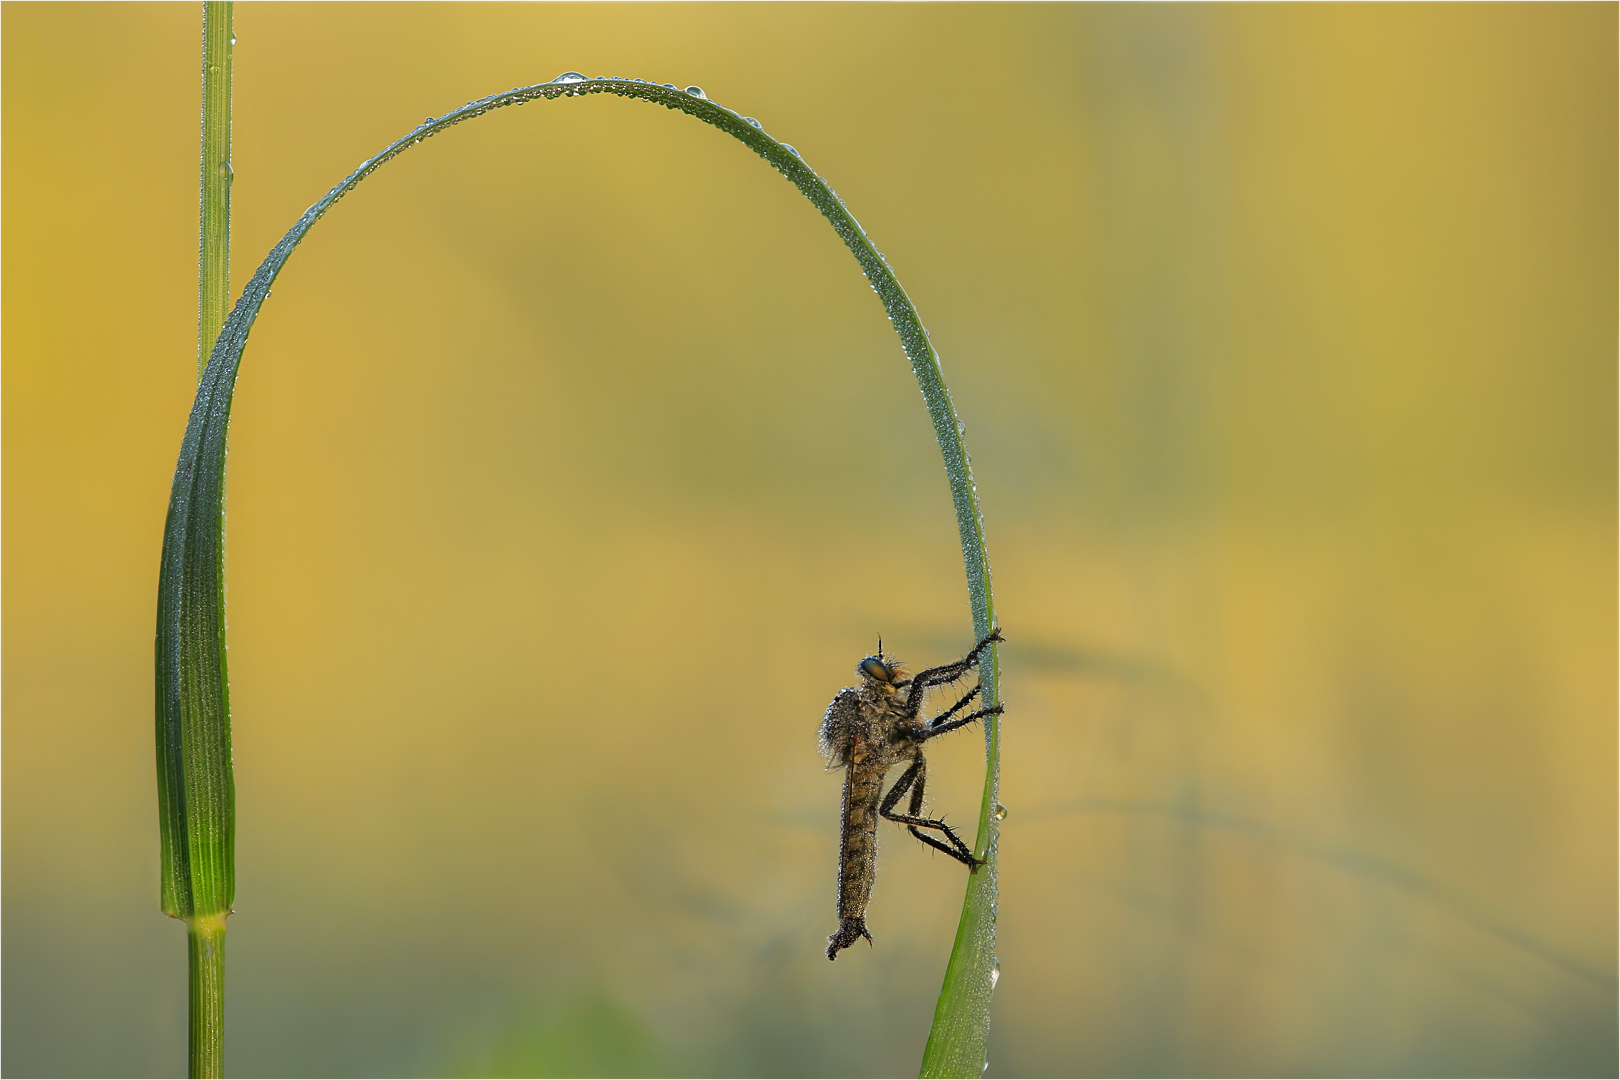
(868, 729)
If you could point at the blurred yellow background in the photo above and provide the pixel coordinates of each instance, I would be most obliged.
(574, 466)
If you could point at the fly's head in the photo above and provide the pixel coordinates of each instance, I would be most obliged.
(883, 674)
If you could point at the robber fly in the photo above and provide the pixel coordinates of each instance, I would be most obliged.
(867, 730)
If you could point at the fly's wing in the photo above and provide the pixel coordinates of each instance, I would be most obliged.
(838, 727)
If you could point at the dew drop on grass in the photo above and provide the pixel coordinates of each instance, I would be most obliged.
(1001, 812)
(790, 149)
(995, 974)
(695, 91)
(756, 123)
(569, 76)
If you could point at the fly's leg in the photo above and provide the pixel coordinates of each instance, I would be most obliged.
(913, 780)
(944, 722)
(948, 673)
(916, 811)
(961, 721)
(950, 712)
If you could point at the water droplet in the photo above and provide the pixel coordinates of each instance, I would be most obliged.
(756, 123)
(995, 975)
(429, 120)
(213, 69)
(695, 91)
(668, 85)
(233, 37)
(1001, 812)
(569, 76)
(790, 149)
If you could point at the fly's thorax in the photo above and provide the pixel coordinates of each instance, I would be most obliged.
(869, 725)
(841, 727)
(883, 702)
(887, 708)
(874, 747)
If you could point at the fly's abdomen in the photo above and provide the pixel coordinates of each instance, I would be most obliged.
(857, 855)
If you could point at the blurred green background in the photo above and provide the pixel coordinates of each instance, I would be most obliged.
(574, 465)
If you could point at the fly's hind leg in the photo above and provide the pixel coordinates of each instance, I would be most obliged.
(913, 780)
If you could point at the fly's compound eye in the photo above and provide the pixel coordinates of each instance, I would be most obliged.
(873, 668)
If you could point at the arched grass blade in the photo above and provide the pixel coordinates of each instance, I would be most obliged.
(194, 716)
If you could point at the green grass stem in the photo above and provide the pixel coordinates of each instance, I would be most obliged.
(205, 955)
(193, 707)
(214, 240)
(196, 791)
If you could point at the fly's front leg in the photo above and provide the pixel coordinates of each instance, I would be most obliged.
(913, 780)
(949, 673)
